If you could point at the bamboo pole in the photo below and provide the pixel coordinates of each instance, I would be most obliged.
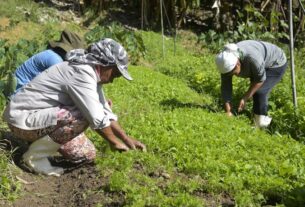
(163, 48)
(173, 30)
(142, 15)
(292, 56)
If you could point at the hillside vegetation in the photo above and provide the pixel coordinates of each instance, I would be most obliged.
(197, 156)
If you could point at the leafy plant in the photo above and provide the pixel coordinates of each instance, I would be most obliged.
(9, 186)
(251, 24)
(13, 55)
(131, 40)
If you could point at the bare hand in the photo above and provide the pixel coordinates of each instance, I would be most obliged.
(242, 105)
(121, 147)
(135, 144)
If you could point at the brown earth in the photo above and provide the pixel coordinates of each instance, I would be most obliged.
(4, 22)
(79, 186)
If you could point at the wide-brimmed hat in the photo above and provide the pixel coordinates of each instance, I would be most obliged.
(68, 41)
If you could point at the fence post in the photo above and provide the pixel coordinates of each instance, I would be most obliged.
(292, 55)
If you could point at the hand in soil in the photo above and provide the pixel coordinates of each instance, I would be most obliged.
(120, 147)
(135, 144)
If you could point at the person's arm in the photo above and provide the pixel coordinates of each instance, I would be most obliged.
(258, 71)
(116, 129)
(254, 86)
(129, 141)
(85, 94)
(83, 91)
(108, 135)
(226, 93)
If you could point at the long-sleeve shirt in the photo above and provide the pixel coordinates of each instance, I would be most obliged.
(256, 58)
(35, 65)
(36, 104)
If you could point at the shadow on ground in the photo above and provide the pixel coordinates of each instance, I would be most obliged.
(174, 103)
(296, 197)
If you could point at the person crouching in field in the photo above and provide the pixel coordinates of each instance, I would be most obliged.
(55, 53)
(262, 62)
(56, 107)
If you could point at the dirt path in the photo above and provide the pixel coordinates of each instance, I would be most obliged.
(79, 186)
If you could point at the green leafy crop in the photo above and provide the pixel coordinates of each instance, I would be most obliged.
(191, 149)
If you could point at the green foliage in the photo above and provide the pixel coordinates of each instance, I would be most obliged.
(22, 10)
(191, 149)
(16, 54)
(197, 70)
(11, 56)
(251, 25)
(9, 187)
(194, 152)
(296, 197)
(29, 11)
(131, 40)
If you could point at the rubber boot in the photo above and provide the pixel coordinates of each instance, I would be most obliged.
(37, 156)
(262, 121)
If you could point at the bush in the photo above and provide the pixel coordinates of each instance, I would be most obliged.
(131, 40)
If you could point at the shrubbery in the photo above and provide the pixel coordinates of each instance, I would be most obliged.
(131, 40)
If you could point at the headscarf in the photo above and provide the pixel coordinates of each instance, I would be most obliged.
(106, 52)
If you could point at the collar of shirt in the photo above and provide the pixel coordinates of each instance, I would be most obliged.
(98, 73)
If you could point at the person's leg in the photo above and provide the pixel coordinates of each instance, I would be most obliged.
(47, 141)
(75, 146)
(79, 149)
(260, 98)
(70, 123)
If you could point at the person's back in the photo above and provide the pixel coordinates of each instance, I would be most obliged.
(35, 65)
(270, 55)
(55, 53)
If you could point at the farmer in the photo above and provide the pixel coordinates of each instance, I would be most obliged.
(263, 63)
(55, 108)
(55, 53)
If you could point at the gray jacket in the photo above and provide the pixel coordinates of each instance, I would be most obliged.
(36, 104)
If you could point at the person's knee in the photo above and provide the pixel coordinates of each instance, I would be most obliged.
(260, 94)
(78, 155)
(260, 97)
(79, 149)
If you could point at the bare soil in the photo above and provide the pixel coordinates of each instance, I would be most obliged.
(79, 186)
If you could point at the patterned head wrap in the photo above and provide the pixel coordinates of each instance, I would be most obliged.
(106, 52)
